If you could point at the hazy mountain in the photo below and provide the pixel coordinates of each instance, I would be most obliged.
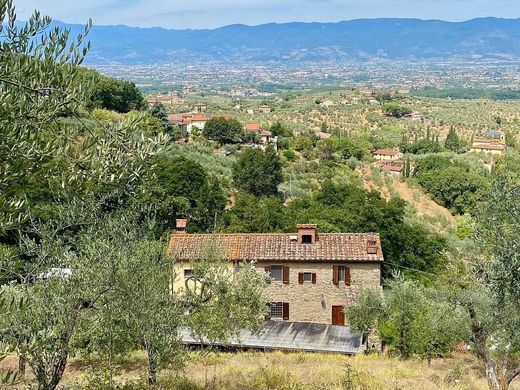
(349, 40)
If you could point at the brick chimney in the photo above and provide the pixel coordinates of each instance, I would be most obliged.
(180, 226)
(372, 247)
(307, 233)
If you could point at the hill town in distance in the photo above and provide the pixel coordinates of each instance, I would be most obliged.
(289, 205)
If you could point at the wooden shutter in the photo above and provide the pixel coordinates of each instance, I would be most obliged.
(347, 276)
(267, 269)
(313, 278)
(285, 274)
(285, 311)
(335, 275)
(300, 277)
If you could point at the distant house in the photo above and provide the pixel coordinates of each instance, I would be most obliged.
(393, 167)
(265, 135)
(264, 109)
(387, 155)
(490, 141)
(187, 121)
(488, 147)
(169, 100)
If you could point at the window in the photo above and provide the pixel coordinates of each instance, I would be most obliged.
(309, 277)
(276, 310)
(188, 273)
(279, 310)
(276, 273)
(341, 273)
(307, 239)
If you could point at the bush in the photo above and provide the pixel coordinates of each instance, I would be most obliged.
(289, 155)
(396, 110)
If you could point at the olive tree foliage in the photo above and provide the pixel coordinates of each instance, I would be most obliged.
(39, 86)
(61, 171)
(410, 318)
(142, 310)
(490, 291)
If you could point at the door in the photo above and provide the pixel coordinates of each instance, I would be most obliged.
(338, 315)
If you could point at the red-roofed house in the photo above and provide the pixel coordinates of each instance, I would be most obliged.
(313, 275)
(265, 135)
(188, 121)
(393, 167)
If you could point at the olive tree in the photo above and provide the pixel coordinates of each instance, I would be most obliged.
(412, 319)
(490, 291)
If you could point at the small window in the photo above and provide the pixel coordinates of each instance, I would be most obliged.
(307, 239)
(341, 273)
(276, 273)
(276, 310)
(188, 273)
(307, 276)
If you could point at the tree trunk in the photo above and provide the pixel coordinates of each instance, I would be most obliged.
(21, 365)
(153, 365)
(497, 378)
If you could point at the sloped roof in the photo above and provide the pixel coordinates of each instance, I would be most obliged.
(200, 118)
(252, 127)
(285, 335)
(387, 152)
(329, 247)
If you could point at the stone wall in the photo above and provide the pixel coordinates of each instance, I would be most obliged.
(312, 302)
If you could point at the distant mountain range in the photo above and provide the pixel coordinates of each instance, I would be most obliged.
(363, 39)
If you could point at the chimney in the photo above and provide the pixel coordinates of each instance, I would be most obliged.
(180, 226)
(307, 233)
(372, 247)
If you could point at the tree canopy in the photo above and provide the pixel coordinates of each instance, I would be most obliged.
(258, 172)
(224, 131)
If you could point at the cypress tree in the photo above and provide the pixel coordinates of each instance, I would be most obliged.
(452, 140)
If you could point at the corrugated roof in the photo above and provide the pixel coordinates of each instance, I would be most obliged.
(285, 335)
(276, 246)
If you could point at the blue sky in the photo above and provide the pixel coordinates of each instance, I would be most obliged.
(215, 13)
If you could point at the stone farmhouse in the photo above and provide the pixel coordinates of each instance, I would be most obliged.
(312, 275)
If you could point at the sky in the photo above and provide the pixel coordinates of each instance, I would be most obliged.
(179, 14)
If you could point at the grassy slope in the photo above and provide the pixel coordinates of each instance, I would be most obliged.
(278, 370)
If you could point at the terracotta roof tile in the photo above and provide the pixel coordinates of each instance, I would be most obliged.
(329, 247)
(252, 127)
(387, 152)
